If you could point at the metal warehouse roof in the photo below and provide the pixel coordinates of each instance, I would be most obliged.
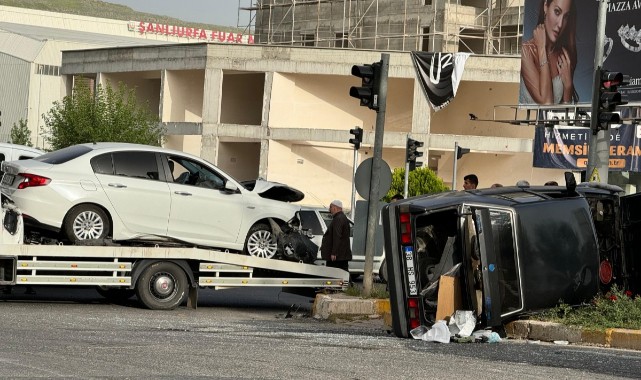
(40, 33)
(19, 46)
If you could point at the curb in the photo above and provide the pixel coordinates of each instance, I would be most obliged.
(550, 332)
(327, 306)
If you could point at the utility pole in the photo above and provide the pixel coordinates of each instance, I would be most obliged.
(599, 147)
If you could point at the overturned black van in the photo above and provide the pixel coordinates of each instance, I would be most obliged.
(510, 250)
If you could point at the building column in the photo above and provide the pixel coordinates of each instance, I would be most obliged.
(212, 97)
(264, 123)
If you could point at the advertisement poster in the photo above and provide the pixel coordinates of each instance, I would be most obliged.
(570, 26)
(622, 48)
(567, 148)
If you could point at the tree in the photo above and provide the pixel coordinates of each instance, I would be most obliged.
(109, 115)
(20, 133)
(420, 181)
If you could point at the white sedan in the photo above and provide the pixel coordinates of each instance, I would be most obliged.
(146, 193)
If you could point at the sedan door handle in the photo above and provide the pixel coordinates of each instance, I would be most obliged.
(117, 185)
(182, 193)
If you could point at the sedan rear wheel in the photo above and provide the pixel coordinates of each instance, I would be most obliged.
(85, 222)
(260, 242)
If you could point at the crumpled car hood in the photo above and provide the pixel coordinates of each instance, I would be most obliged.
(274, 190)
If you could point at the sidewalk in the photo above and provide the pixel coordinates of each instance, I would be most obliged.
(339, 306)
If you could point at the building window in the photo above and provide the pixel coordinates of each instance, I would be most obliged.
(48, 70)
(425, 44)
(341, 40)
(308, 39)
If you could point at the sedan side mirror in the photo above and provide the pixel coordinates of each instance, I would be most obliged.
(230, 187)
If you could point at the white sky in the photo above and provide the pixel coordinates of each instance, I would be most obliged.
(216, 12)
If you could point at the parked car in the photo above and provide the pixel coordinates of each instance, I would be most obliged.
(316, 221)
(511, 250)
(149, 194)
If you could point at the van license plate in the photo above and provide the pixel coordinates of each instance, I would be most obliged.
(411, 273)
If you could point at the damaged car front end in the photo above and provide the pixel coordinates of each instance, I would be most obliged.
(507, 251)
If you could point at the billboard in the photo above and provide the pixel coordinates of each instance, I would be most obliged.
(557, 52)
(567, 147)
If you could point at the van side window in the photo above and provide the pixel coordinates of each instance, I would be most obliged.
(25, 157)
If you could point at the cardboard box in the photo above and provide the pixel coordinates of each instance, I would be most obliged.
(449, 297)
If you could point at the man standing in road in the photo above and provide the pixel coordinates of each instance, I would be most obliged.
(335, 248)
(470, 182)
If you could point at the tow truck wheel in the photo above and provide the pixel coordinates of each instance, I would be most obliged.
(162, 286)
(115, 294)
(260, 242)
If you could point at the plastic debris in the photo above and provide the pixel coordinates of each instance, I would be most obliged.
(561, 342)
(418, 332)
(487, 336)
(438, 333)
(462, 323)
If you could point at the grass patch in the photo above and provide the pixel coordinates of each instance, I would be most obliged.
(379, 291)
(615, 309)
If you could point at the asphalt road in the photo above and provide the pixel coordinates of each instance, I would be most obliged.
(244, 334)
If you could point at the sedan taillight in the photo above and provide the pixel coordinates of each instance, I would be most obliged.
(32, 180)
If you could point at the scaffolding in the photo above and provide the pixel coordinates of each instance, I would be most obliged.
(475, 26)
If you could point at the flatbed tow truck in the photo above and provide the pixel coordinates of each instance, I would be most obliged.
(162, 278)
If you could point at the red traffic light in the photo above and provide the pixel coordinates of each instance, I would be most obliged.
(610, 79)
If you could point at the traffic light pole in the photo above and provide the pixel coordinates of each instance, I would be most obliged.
(406, 183)
(374, 196)
(455, 165)
(352, 212)
(599, 147)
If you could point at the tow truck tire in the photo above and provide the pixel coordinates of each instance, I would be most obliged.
(86, 222)
(162, 286)
(115, 294)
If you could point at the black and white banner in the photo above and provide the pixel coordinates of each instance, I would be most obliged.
(439, 75)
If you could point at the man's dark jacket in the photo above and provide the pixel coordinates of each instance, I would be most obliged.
(336, 239)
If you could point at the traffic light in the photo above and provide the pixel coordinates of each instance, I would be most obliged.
(412, 153)
(610, 98)
(368, 92)
(358, 137)
(461, 151)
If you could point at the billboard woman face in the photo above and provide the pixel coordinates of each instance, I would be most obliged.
(557, 13)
